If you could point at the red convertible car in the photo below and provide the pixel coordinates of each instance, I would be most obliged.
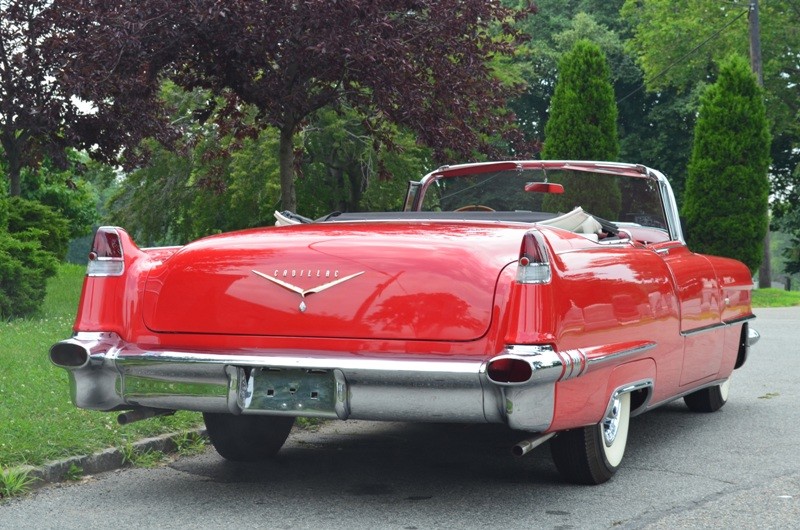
(558, 298)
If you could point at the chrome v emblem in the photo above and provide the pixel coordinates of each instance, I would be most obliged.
(304, 292)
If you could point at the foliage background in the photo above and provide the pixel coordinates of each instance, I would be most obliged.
(213, 164)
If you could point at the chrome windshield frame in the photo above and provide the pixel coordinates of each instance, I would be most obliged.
(668, 203)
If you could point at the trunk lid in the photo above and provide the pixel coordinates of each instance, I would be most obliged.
(411, 281)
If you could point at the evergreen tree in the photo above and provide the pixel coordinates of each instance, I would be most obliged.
(24, 264)
(727, 189)
(583, 126)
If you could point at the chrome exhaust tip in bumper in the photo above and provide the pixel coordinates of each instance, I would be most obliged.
(69, 355)
(93, 377)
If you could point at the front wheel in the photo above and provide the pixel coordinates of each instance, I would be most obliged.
(591, 455)
(247, 438)
(709, 399)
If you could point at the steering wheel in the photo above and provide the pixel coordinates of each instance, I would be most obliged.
(474, 208)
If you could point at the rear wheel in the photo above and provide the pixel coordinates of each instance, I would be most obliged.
(709, 399)
(591, 455)
(247, 438)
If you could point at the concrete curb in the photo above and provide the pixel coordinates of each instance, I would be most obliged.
(106, 460)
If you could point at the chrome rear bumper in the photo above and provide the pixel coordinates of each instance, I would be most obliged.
(107, 373)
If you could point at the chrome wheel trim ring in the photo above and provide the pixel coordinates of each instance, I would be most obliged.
(610, 425)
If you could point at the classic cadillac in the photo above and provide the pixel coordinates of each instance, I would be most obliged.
(558, 298)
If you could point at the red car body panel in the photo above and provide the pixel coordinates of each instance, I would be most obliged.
(394, 297)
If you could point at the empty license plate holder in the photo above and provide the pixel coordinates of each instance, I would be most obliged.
(292, 392)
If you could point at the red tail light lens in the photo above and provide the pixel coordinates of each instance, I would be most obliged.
(106, 258)
(534, 262)
(509, 370)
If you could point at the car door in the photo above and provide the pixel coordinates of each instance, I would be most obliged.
(698, 291)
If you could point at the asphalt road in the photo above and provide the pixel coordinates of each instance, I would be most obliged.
(737, 468)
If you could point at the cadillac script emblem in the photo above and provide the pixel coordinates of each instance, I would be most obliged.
(305, 292)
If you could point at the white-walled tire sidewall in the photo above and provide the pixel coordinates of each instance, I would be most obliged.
(724, 390)
(613, 454)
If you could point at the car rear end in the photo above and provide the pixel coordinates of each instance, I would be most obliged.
(382, 321)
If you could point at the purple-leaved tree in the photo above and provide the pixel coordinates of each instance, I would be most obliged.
(422, 64)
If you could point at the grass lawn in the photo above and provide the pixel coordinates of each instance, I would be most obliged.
(775, 298)
(38, 422)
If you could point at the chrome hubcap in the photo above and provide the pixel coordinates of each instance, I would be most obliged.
(724, 388)
(611, 422)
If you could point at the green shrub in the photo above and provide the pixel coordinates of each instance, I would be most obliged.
(24, 269)
(69, 191)
(33, 238)
(33, 221)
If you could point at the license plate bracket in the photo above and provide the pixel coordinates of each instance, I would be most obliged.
(292, 392)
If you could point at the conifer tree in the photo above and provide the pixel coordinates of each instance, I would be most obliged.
(727, 188)
(583, 126)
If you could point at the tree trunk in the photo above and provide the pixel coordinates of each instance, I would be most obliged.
(14, 174)
(765, 271)
(286, 156)
(15, 188)
(11, 150)
(337, 202)
(356, 190)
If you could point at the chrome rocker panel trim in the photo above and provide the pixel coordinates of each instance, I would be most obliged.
(752, 339)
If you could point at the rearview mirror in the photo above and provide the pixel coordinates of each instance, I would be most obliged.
(544, 187)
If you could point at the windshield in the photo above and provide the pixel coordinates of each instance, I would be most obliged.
(623, 200)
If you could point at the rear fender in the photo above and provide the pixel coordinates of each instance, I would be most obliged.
(531, 314)
(583, 401)
(108, 302)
